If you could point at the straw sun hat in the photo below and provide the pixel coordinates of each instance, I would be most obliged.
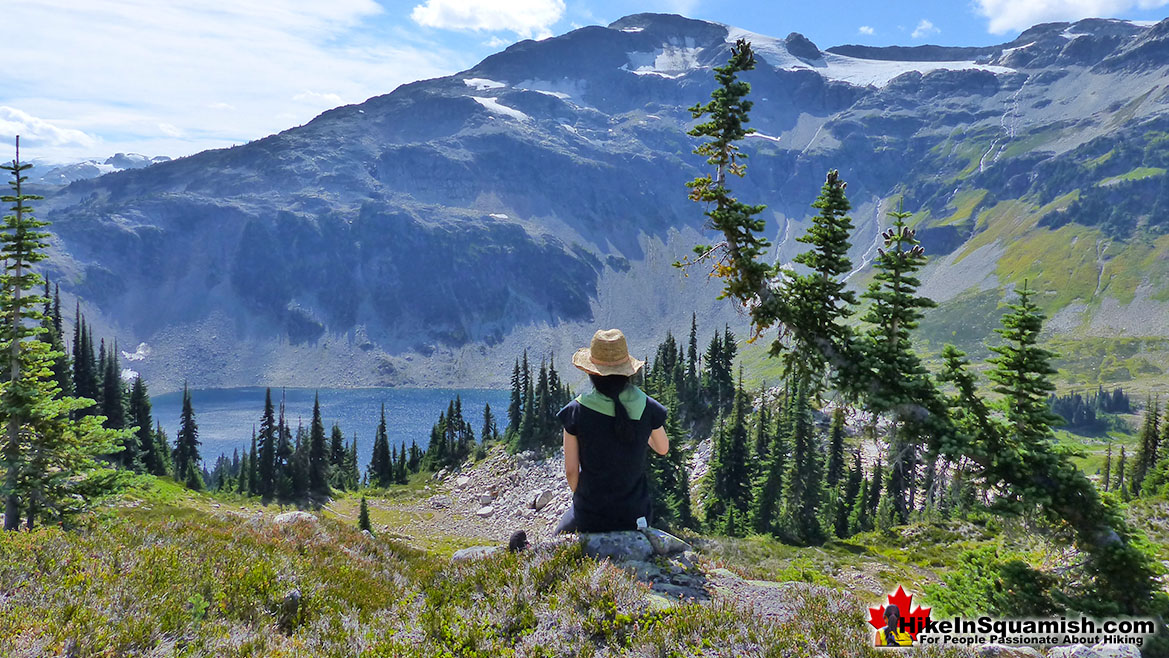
(607, 354)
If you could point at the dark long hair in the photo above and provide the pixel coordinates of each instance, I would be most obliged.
(611, 386)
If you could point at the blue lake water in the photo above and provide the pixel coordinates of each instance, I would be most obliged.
(225, 417)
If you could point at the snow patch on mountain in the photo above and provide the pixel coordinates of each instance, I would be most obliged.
(495, 107)
(878, 73)
(671, 60)
(139, 354)
(759, 135)
(562, 88)
(483, 84)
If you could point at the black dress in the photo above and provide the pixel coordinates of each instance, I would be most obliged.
(612, 491)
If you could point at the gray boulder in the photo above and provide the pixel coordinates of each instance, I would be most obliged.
(540, 498)
(294, 517)
(475, 553)
(617, 546)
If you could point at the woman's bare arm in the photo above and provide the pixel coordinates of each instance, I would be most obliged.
(659, 441)
(571, 460)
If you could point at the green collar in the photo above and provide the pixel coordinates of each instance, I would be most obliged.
(632, 398)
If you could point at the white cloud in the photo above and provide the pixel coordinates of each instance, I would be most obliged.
(924, 29)
(111, 73)
(526, 18)
(866, 30)
(1018, 15)
(37, 132)
(317, 98)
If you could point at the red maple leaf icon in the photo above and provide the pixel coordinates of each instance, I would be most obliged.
(911, 621)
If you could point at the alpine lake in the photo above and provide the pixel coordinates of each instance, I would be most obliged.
(225, 417)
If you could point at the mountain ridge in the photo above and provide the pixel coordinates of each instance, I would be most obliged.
(544, 184)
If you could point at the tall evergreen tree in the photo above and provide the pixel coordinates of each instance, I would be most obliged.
(269, 437)
(285, 466)
(835, 449)
(381, 464)
(516, 406)
(900, 386)
(767, 499)
(46, 458)
(151, 461)
(1147, 444)
(490, 431)
(804, 481)
(318, 457)
(186, 454)
(727, 507)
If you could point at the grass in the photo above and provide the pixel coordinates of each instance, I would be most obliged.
(1139, 173)
(179, 580)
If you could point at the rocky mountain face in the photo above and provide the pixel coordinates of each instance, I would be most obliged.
(428, 235)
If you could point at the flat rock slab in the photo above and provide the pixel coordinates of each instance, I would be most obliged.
(664, 543)
(617, 546)
(475, 553)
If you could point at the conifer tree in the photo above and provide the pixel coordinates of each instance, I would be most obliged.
(285, 466)
(140, 416)
(337, 457)
(835, 449)
(186, 452)
(363, 517)
(401, 470)
(47, 459)
(515, 408)
(351, 468)
(1147, 444)
(318, 457)
(900, 386)
(490, 432)
(113, 404)
(847, 501)
(767, 500)
(242, 475)
(269, 437)
(381, 463)
(804, 481)
(762, 431)
(669, 480)
(51, 323)
(727, 507)
(726, 113)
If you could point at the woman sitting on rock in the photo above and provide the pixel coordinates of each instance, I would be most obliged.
(605, 434)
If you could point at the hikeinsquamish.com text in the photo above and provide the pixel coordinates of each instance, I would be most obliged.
(989, 630)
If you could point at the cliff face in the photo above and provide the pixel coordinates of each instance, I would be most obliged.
(428, 235)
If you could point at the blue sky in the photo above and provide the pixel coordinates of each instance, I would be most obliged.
(88, 78)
